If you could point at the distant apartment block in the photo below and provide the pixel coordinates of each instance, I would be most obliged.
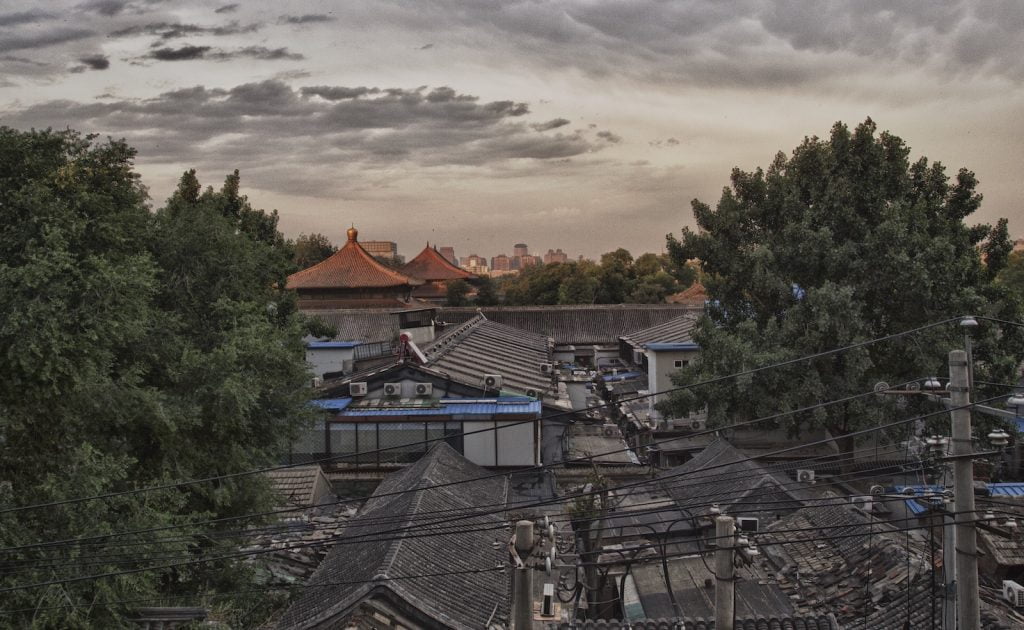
(520, 250)
(381, 249)
(501, 262)
(475, 264)
(555, 256)
(449, 254)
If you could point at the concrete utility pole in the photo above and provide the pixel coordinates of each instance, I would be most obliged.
(968, 614)
(948, 570)
(725, 603)
(522, 590)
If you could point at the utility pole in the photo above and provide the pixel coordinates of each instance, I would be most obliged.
(948, 570)
(968, 614)
(522, 590)
(725, 603)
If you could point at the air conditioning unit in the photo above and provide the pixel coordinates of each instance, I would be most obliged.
(804, 475)
(424, 389)
(532, 393)
(317, 381)
(864, 503)
(1014, 593)
(545, 368)
(492, 381)
(747, 523)
(698, 425)
(392, 390)
(610, 430)
(357, 388)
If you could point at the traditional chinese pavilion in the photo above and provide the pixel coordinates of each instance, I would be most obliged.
(437, 271)
(352, 278)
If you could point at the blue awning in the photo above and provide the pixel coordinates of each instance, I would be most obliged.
(659, 346)
(513, 405)
(621, 376)
(1007, 489)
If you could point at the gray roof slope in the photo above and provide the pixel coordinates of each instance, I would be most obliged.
(350, 573)
(366, 325)
(733, 479)
(676, 330)
(794, 622)
(579, 324)
(297, 485)
(479, 346)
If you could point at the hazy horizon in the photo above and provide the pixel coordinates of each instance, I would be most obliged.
(581, 125)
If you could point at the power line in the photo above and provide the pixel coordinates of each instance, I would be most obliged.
(544, 502)
(185, 483)
(483, 477)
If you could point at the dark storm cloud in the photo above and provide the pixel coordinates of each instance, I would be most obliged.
(360, 129)
(309, 18)
(96, 62)
(227, 8)
(185, 53)
(335, 93)
(551, 124)
(44, 39)
(261, 53)
(25, 17)
(106, 8)
(173, 30)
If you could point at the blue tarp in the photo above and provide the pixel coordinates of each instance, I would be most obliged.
(331, 404)
(517, 405)
(669, 346)
(621, 376)
(331, 344)
(915, 508)
(1007, 489)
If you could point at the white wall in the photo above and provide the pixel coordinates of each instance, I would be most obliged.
(516, 443)
(661, 367)
(324, 360)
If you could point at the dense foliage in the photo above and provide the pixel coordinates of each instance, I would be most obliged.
(137, 348)
(311, 249)
(844, 241)
(617, 279)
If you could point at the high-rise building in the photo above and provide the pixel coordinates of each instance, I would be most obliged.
(381, 249)
(449, 254)
(501, 262)
(474, 264)
(520, 249)
(555, 257)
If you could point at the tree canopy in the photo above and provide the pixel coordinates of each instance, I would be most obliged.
(843, 241)
(311, 249)
(138, 348)
(617, 279)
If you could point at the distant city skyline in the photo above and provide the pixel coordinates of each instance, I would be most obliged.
(581, 125)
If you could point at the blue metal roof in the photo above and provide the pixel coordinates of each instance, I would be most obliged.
(331, 404)
(511, 405)
(915, 508)
(319, 345)
(1007, 489)
(664, 346)
(1020, 424)
(621, 376)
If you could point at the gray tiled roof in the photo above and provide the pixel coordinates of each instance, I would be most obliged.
(810, 622)
(366, 325)
(479, 346)
(298, 485)
(351, 573)
(676, 330)
(581, 324)
(732, 479)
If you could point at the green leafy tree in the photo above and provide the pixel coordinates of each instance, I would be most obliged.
(457, 293)
(137, 349)
(1012, 276)
(841, 242)
(311, 249)
(486, 292)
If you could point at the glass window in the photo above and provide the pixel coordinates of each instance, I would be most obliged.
(403, 441)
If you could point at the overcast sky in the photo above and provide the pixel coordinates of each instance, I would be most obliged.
(582, 125)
